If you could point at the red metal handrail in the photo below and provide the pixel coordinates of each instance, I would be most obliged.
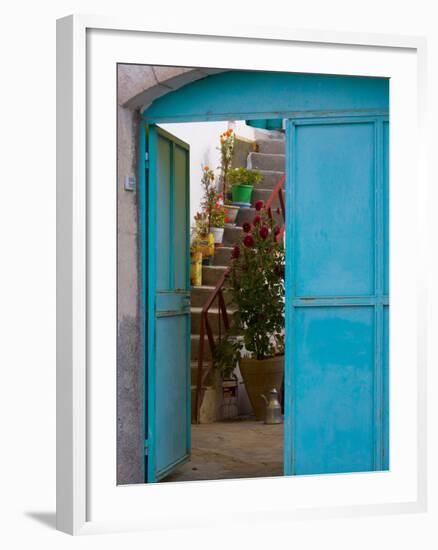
(205, 326)
(278, 191)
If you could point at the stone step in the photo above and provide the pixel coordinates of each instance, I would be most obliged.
(213, 316)
(266, 161)
(270, 178)
(248, 214)
(222, 255)
(194, 347)
(263, 195)
(271, 146)
(200, 295)
(212, 273)
(232, 235)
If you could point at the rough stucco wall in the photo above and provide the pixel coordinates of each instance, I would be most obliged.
(129, 372)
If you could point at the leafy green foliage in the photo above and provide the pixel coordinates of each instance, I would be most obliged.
(226, 355)
(256, 281)
(244, 176)
(227, 141)
(217, 216)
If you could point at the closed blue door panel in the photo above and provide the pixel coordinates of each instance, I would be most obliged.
(333, 410)
(336, 371)
(168, 305)
(335, 193)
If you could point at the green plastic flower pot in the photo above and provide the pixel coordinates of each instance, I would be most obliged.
(242, 193)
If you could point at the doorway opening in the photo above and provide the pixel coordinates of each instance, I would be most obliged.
(236, 414)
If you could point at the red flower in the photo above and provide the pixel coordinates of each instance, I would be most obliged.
(276, 230)
(264, 232)
(248, 241)
(256, 220)
(259, 205)
(246, 227)
(236, 253)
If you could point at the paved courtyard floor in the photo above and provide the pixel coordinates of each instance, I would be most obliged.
(231, 450)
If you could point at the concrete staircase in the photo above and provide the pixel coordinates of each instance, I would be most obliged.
(270, 161)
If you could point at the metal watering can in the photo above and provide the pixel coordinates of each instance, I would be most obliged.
(273, 408)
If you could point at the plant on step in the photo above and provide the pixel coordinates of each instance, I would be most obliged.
(256, 281)
(227, 354)
(217, 216)
(242, 181)
(200, 226)
(227, 140)
(210, 197)
(244, 176)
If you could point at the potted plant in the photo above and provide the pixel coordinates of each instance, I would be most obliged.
(231, 211)
(201, 239)
(226, 355)
(217, 222)
(227, 140)
(213, 209)
(242, 181)
(256, 282)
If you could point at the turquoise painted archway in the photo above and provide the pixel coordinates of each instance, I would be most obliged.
(246, 95)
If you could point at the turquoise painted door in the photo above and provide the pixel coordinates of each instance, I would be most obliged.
(336, 377)
(167, 355)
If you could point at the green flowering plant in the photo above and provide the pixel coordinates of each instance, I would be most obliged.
(217, 216)
(227, 354)
(227, 140)
(209, 193)
(256, 282)
(244, 176)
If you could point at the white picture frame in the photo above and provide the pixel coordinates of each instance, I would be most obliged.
(88, 499)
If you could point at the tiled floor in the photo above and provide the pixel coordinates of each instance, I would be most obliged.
(230, 450)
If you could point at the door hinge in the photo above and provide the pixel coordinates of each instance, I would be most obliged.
(146, 447)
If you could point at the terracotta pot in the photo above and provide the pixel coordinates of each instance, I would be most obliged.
(260, 377)
(231, 213)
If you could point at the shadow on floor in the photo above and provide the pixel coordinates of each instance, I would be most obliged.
(46, 518)
(233, 450)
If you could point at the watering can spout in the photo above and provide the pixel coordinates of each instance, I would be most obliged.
(264, 398)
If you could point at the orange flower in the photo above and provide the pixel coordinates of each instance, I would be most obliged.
(206, 168)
